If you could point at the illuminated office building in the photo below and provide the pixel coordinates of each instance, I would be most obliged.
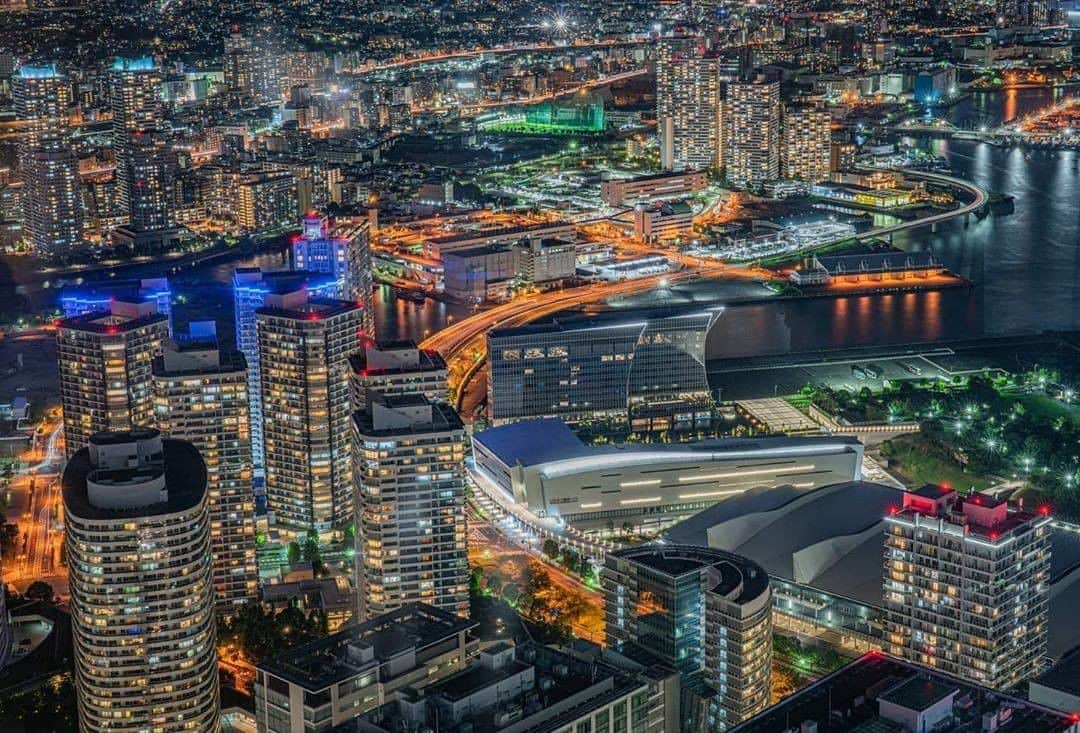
(806, 150)
(105, 360)
(706, 613)
(200, 395)
(48, 165)
(408, 453)
(142, 601)
(596, 367)
(304, 349)
(966, 586)
(754, 148)
(342, 251)
(251, 288)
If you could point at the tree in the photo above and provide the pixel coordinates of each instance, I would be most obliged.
(550, 548)
(39, 590)
(293, 553)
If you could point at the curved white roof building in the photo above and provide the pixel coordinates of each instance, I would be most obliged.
(543, 465)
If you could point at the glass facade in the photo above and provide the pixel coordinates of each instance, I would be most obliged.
(596, 367)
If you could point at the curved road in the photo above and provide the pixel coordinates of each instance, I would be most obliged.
(462, 344)
(979, 199)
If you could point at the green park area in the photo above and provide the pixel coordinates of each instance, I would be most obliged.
(1019, 429)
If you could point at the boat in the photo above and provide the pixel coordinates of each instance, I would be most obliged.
(1001, 203)
(406, 294)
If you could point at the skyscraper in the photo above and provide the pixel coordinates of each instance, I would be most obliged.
(150, 176)
(343, 251)
(689, 105)
(136, 105)
(105, 360)
(396, 368)
(96, 296)
(966, 585)
(806, 150)
(200, 395)
(251, 287)
(304, 349)
(48, 164)
(754, 149)
(138, 549)
(408, 453)
(706, 613)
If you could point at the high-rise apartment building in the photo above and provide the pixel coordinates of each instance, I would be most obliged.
(200, 395)
(142, 600)
(805, 154)
(690, 129)
(251, 288)
(408, 454)
(96, 296)
(105, 359)
(966, 585)
(702, 611)
(342, 250)
(265, 200)
(397, 368)
(42, 98)
(136, 104)
(48, 165)
(754, 148)
(252, 71)
(150, 177)
(304, 349)
(134, 96)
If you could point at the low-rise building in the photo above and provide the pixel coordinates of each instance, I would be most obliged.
(670, 220)
(541, 261)
(624, 191)
(335, 680)
(533, 688)
(881, 693)
(542, 465)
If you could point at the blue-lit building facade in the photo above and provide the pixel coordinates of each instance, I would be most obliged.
(96, 296)
(598, 367)
(343, 252)
(251, 286)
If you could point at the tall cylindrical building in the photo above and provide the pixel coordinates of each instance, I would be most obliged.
(142, 602)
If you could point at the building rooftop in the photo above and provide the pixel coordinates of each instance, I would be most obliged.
(279, 282)
(919, 693)
(847, 701)
(183, 466)
(532, 442)
(548, 441)
(403, 415)
(633, 319)
(382, 358)
(315, 309)
(324, 662)
(733, 572)
(830, 538)
(120, 317)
